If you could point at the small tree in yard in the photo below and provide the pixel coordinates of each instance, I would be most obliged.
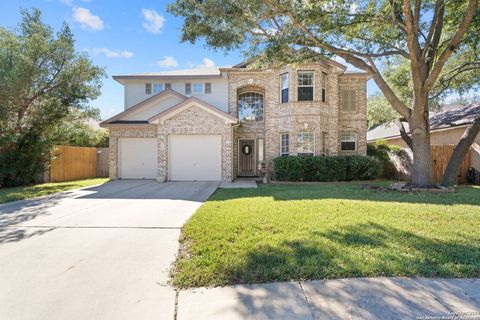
(366, 33)
(42, 80)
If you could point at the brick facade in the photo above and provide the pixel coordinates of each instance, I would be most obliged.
(322, 118)
(326, 120)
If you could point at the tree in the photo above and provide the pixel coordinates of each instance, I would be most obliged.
(42, 79)
(379, 111)
(76, 130)
(366, 33)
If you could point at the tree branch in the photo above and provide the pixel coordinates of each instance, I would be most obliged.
(404, 134)
(452, 44)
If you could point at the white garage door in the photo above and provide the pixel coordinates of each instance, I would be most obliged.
(195, 157)
(137, 158)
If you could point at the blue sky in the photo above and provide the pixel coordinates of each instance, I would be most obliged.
(124, 37)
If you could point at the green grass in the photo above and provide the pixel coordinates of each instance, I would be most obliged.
(19, 193)
(286, 232)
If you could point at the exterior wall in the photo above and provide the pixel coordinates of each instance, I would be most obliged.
(450, 136)
(195, 121)
(145, 131)
(151, 109)
(295, 116)
(134, 90)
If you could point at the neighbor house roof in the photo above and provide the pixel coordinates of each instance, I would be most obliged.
(449, 117)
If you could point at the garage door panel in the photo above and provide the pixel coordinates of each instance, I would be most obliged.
(138, 158)
(195, 157)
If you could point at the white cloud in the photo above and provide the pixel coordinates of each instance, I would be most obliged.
(67, 2)
(153, 21)
(113, 53)
(167, 62)
(206, 63)
(86, 19)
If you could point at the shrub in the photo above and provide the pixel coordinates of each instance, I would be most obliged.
(296, 168)
(380, 150)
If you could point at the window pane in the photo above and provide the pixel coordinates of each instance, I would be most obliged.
(157, 87)
(305, 142)
(305, 93)
(284, 95)
(305, 78)
(348, 146)
(188, 88)
(197, 88)
(250, 106)
(284, 81)
(284, 144)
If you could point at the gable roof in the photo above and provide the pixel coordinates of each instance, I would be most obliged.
(446, 119)
(170, 112)
(153, 98)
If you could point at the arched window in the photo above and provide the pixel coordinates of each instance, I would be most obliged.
(250, 106)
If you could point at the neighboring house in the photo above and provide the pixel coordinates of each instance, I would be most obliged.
(446, 127)
(221, 123)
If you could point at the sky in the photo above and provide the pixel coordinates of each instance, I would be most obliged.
(124, 37)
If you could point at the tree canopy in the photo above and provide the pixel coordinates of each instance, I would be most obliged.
(42, 80)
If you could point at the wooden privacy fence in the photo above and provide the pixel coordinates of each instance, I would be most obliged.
(441, 154)
(102, 162)
(73, 163)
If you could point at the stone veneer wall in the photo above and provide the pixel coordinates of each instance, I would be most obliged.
(140, 131)
(295, 116)
(195, 120)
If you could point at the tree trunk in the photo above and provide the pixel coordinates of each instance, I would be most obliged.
(422, 175)
(467, 139)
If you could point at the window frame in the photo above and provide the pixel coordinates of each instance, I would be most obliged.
(306, 86)
(303, 132)
(198, 83)
(207, 85)
(355, 140)
(287, 75)
(263, 106)
(287, 146)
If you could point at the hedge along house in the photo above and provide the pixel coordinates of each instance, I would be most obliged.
(222, 123)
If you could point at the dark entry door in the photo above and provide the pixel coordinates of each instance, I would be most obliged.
(246, 158)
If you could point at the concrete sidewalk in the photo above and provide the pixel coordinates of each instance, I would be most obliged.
(359, 298)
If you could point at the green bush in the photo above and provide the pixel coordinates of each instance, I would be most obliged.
(296, 168)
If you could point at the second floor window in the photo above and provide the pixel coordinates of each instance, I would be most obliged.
(198, 88)
(250, 106)
(284, 88)
(148, 88)
(157, 87)
(324, 87)
(305, 86)
(305, 143)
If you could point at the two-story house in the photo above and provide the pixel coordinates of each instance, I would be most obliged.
(221, 123)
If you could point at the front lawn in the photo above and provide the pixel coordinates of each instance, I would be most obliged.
(284, 232)
(19, 193)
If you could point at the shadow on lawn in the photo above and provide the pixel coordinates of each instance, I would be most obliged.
(350, 191)
(367, 249)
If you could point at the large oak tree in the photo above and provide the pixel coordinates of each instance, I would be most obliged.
(366, 33)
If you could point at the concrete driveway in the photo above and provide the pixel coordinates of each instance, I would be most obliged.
(99, 253)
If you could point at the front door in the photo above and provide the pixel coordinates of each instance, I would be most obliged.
(246, 158)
